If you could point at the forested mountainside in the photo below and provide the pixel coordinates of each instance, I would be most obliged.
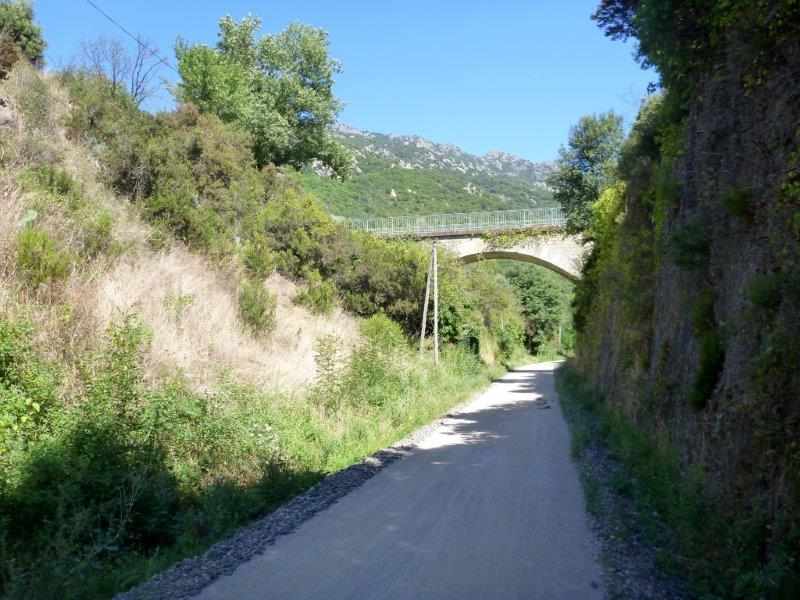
(688, 309)
(398, 175)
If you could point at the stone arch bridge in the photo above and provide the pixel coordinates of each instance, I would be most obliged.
(530, 235)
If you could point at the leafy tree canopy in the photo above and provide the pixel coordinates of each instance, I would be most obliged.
(681, 39)
(586, 166)
(19, 32)
(278, 88)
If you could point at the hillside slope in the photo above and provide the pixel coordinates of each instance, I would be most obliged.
(187, 340)
(397, 175)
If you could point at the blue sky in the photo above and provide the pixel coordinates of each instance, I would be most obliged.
(510, 75)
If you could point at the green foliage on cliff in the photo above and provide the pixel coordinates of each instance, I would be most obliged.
(707, 262)
(683, 39)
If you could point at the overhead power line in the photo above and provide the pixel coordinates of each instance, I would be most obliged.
(135, 38)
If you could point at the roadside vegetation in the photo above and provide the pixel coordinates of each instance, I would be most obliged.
(686, 310)
(187, 338)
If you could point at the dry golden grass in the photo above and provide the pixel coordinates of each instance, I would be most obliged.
(189, 304)
(192, 311)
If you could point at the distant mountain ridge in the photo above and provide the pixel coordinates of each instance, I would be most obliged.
(415, 152)
(408, 174)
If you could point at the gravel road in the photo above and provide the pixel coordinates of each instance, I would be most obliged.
(487, 505)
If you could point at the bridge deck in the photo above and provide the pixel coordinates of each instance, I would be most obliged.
(460, 224)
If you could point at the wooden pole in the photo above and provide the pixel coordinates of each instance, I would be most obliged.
(435, 307)
(425, 306)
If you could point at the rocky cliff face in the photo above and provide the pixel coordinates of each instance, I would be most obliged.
(704, 350)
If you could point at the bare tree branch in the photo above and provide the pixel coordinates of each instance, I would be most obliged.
(135, 73)
(146, 65)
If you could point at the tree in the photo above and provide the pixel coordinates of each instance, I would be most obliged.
(278, 88)
(543, 303)
(135, 73)
(586, 166)
(19, 34)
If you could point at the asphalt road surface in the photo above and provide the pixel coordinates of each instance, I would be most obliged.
(487, 506)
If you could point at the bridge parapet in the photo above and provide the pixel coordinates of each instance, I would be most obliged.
(460, 224)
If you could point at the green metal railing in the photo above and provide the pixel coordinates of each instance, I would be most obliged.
(460, 223)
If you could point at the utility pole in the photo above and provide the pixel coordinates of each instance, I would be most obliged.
(435, 307)
(432, 278)
(425, 306)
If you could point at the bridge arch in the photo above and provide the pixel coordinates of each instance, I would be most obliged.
(556, 252)
(519, 256)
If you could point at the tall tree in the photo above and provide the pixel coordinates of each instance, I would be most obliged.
(19, 35)
(585, 167)
(279, 88)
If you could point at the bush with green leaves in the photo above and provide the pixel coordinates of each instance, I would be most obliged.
(97, 235)
(375, 275)
(319, 296)
(39, 259)
(123, 471)
(28, 393)
(375, 374)
(257, 307)
(294, 229)
(52, 180)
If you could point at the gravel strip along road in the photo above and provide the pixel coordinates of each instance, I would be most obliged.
(485, 504)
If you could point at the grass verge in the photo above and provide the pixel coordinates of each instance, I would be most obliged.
(102, 493)
(700, 539)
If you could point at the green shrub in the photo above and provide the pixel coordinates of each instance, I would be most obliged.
(375, 375)
(765, 290)
(257, 307)
(50, 179)
(383, 333)
(200, 227)
(329, 381)
(319, 296)
(28, 391)
(97, 235)
(739, 203)
(258, 258)
(115, 382)
(690, 245)
(374, 275)
(296, 229)
(39, 259)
